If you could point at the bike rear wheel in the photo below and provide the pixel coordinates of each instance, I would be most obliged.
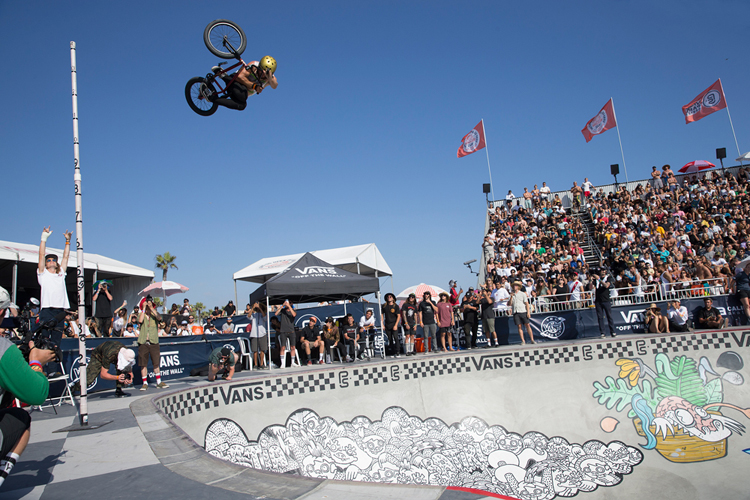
(195, 98)
(213, 37)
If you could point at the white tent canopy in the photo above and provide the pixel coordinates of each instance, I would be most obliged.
(22, 252)
(361, 259)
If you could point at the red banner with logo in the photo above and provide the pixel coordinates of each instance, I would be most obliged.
(710, 100)
(603, 121)
(473, 141)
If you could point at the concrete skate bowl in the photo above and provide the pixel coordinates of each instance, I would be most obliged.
(634, 417)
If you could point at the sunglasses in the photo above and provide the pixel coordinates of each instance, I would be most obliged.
(51, 260)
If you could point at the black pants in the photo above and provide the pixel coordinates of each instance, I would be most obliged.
(340, 347)
(470, 331)
(674, 327)
(394, 339)
(605, 309)
(236, 96)
(13, 423)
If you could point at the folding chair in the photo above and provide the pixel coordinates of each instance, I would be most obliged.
(67, 394)
(332, 349)
(289, 351)
(245, 355)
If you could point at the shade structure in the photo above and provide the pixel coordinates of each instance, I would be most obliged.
(744, 158)
(311, 279)
(696, 166)
(419, 290)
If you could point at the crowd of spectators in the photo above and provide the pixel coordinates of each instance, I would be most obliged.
(671, 236)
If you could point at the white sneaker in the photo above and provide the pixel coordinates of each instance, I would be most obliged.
(295, 364)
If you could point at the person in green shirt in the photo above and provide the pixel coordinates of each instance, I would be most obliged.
(22, 380)
(148, 343)
(221, 358)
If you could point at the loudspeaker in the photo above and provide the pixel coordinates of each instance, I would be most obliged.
(615, 169)
(486, 188)
(721, 153)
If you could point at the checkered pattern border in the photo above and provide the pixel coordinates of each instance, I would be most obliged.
(548, 356)
(195, 400)
(185, 403)
(616, 349)
(686, 343)
(300, 384)
(370, 376)
(433, 367)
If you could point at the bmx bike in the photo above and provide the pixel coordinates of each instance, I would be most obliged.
(226, 40)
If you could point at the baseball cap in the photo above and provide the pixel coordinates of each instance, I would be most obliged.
(4, 298)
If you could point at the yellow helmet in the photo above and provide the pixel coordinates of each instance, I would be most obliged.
(268, 63)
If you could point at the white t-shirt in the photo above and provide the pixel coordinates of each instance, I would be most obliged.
(367, 323)
(118, 325)
(126, 333)
(54, 293)
(587, 186)
(500, 298)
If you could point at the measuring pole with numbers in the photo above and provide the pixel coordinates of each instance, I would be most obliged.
(83, 411)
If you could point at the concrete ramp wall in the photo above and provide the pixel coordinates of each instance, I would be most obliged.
(539, 422)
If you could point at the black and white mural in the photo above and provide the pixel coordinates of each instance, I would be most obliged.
(401, 448)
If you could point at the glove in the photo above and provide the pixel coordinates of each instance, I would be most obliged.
(45, 235)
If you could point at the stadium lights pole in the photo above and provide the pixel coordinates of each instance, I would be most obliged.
(83, 414)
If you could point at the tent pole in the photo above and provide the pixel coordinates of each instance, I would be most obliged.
(268, 331)
(237, 304)
(15, 283)
(93, 304)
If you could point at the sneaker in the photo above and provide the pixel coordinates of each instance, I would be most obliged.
(162, 385)
(119, 393)
(144, 387)
(348, 359)
(295, 364)
(397, 356)
(603, 335)
(309, 363)
(320, 362)
(614, 335)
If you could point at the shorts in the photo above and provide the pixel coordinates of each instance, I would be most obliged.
(410, 329)
(146, 351)
(443, 330)
(283, 337)
(743, 294)
(13, 423)
(520, 319)
(490, 322)
(259, 343)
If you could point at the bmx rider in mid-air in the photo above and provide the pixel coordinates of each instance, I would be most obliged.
(251, 79)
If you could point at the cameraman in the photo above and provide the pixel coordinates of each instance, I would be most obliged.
(105, 354)
(27, 382)
(103, 300)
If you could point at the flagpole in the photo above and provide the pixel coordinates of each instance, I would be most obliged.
(730, 122)
(618, 138)
(487, 150)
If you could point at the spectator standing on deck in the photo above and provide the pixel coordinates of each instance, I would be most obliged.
(229, 309)
(427, 320)
(470, 309)
(103, 300)
(445, 321)
(742, 289)
(603, 304)
(258, 334)
(519, 304)
(391, 322)
(148, 343)
(409, 323)
(488, 317)
(51, 277)
(286, 315)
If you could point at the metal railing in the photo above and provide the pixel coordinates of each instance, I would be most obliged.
(649, 293)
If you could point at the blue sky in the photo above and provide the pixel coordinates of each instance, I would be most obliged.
(358, 143)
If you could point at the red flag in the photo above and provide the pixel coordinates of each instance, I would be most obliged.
(602, 122)
(473, 141)
(710, 100)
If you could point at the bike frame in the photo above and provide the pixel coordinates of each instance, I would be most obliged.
(217, 77)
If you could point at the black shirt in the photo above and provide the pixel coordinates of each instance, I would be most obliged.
(470, 315)
(103, 306)
(311, 334)
(705, 314)
(390, 314)
(428, 308)
(287, 321)
(487, 312)
(411, 313)
(349, 331)
(230, 310)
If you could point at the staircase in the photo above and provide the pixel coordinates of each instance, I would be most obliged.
(591, 252)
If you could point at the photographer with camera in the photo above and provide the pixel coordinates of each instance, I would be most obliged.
(148, 343)
(108, 353)
(103, 317)
(25, 381)
(51, 277)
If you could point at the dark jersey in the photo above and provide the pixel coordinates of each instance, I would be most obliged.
(428, 309)
(470, 315)
(390, 314)
(311, 334)
(349, 331)
(410, 311)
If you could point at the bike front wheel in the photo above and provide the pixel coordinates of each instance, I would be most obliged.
(215, 34)
(195, 98)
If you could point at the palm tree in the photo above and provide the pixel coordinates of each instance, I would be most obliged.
(199, 309)
(165, 262)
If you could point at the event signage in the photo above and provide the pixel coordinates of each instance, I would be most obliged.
(707, 102)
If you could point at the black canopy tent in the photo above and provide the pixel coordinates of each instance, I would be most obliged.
(311, 279)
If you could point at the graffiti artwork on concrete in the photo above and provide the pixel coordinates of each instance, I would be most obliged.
(676, 405)
(405, 449)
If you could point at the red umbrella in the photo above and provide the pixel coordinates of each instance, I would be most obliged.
(696, 166)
